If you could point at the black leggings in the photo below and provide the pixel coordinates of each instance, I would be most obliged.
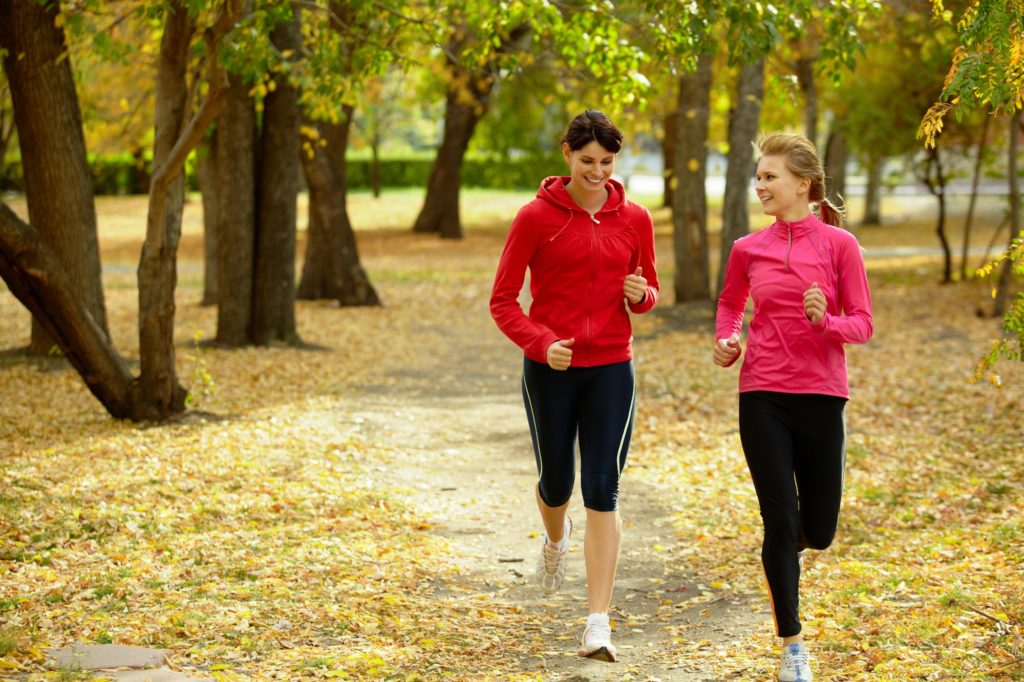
(795, 445)
(596, 403)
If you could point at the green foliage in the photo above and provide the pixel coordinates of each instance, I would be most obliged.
(118, 174)
(1011, 346)
(988, 66)
(753, 29)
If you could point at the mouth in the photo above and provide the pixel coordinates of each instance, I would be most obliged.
(765, 198)
(593, 181)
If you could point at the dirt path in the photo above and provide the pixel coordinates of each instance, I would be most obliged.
(456, 418)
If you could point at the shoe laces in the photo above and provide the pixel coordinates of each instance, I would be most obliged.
(552, 557)
(794, 660)
(602, 632)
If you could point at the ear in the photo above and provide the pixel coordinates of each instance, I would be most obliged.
(805, 186)
(566, 152)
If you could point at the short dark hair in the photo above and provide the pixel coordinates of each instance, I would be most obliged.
(593, 125)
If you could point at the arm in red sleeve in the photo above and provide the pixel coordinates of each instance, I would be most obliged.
(646, 260)
(508, 282)
(856, 324)
(732, 302)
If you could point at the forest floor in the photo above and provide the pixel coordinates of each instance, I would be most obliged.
(363, 509)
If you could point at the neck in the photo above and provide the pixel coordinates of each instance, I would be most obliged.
(794, 216)
(590, 200)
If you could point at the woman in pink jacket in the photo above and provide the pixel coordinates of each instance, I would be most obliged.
(590, 253)
(810, 291)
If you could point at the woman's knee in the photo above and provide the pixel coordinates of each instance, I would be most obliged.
(600, 492)
(554, 492)
(818, 538)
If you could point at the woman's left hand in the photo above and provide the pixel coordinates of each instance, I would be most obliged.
(814, 304)
(635, 286)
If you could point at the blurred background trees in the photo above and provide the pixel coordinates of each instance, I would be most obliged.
(255, 104)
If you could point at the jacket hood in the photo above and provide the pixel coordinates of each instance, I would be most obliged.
(552, 190)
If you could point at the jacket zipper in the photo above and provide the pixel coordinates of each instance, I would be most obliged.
(789, 247)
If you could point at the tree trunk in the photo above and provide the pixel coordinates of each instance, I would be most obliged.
(206, 168)
(160, 394)
(440, 212)
(7, 129)
(58, 183)
(668, 152)
(805, 78)
(236, 187)
(468, 95)
(375, 163)
(836, 156)
(689, 203)
(873, 193)
(331, 269)
(38, 279)
(969, 220)
(274, 287)
(936, 181)
(744, 120)
(36, 276)
(1005, 276)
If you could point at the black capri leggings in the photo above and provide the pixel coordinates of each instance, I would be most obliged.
(598, 405)
(795, 446)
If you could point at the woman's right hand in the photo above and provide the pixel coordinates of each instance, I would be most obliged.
(560, 354)
(726, 350)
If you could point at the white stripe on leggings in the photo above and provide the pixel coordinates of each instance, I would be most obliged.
(625, 429)
(535, 429)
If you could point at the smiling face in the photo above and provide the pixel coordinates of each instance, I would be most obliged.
(590, 166)
(782, 194)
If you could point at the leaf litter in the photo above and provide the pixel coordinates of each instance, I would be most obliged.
(254, 539)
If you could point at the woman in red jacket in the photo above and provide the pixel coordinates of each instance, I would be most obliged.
(590, 253)
(810, 291)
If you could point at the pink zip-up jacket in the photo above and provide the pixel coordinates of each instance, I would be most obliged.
(577, 269)
(786, 352)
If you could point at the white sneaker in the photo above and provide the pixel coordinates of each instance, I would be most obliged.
(796, 664)
(597, 639)
(552, 560)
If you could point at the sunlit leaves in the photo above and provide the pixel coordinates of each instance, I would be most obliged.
(987, 69)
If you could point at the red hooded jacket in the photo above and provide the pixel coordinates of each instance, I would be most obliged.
(577, 269)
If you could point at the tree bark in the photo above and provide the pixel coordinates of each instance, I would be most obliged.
(236, 187)
(161, 395)
(809, 89)
(744, 120)
(206, 168)
(1005, 275)
(837, 153)
(375, 162)
(37, 278)
(58, 183)
(935, 179)
(976, 179)
(466, 102)
(689, 202)
(331, 269)
(805, 78)
(274, 288)
(440, 212)
(873, 194)
(668, 152)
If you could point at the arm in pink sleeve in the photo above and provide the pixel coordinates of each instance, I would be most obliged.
(856, 324)
(508, 282)
(646, 261)
(732, 302)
